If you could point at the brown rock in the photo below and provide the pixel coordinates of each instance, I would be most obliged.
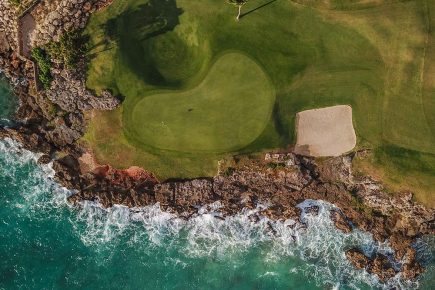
(44, 159)
(382, 267)
(340, 221)
(357, 258)
(410, 271)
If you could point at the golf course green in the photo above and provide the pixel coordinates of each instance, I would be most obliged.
(198, 86)
(226, 112)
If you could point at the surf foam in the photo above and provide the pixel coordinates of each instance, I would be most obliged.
(314, 239)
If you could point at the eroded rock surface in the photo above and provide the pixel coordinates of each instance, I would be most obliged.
(53, 18)
(68, 90)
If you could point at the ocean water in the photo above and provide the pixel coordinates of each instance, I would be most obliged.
(45, 243)
(8, 104)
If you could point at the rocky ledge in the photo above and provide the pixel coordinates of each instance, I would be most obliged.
(280, 181)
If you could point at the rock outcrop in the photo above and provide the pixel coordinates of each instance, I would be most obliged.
(8, 27)
(382, 265)
(53, 18)
(68, 90)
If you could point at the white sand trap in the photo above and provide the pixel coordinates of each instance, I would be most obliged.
(325, 132)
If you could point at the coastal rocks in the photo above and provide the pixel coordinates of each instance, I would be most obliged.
(44, 159)
(29, 140)
(340, 221)
(8, 28)
(184, 195)
(279, 190)
(409, 217)
(66, 168)
(68, 91)
(357, 258)
(18, 71)
(63, 135)
(4, 42)
(411, 269)
(132, 187)
(381, 265)
(53, 18)
(337, 169)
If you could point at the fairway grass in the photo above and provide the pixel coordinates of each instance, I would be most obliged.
(187, 105)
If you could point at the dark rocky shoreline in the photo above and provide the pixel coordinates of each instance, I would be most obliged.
(46, 123)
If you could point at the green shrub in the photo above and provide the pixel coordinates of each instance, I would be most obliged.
(68, 49)
(15, 2)
(229, 171)
(275, 165)
(44, 66)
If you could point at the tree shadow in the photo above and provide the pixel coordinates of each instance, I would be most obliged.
(255, 9)
(147, 20)
(136, 31)
(130, 31)
(154, 18)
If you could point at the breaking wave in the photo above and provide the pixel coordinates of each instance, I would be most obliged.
(314, 239)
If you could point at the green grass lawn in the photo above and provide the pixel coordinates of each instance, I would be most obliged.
(227, 111)
(199, 86)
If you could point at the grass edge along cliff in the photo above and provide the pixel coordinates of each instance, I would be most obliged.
(305, 56)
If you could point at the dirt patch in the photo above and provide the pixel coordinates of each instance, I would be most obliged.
(27, 26)
(325, 132)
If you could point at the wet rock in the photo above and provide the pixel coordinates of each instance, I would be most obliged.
(340, 221)
(313, 210)
(382, 267)
(44, 159)
(410, 271)
(357, 258)
(411, 268)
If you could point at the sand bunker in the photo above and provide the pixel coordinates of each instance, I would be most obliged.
(325, 132)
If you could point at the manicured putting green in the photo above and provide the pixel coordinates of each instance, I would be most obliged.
(228, 110)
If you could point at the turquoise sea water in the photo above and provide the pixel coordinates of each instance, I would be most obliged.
(7, 104)
(45, 243)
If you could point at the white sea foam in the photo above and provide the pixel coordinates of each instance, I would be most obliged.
(315, 239)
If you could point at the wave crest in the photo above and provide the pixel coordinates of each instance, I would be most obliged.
(313, 238)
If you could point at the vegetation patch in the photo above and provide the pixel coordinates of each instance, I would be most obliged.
(70, 47)
(43, 62)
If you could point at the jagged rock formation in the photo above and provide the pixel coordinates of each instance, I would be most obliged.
(53, 18)
(8, 28)
(298, 178)
(68, 90)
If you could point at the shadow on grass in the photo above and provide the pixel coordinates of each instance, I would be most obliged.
(258, 8)
(130, 30)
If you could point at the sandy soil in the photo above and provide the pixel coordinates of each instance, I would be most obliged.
(325, 132)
